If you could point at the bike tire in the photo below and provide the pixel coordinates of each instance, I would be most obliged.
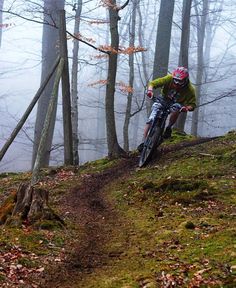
(151, 143)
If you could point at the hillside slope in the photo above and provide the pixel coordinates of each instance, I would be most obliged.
(171, 224)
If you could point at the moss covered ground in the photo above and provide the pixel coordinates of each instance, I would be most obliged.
(174, 223)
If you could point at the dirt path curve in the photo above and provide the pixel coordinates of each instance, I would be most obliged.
(96, 218)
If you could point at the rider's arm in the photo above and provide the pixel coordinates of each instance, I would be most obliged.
(160, 82)
(190, 102)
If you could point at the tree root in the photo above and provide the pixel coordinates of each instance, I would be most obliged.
(29, 204)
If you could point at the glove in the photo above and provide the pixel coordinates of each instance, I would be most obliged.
(150, 94)
(184, 109)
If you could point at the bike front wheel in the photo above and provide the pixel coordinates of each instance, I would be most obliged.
(152, 141)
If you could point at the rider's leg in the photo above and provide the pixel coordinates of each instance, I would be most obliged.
(145, 132)
(155, 108)
(173, 118)
(146, 129)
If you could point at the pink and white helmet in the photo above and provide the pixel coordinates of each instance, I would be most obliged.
(180, 76)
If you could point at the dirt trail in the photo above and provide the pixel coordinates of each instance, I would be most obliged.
(96, 219)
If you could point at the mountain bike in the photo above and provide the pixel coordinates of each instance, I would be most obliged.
(155, 134)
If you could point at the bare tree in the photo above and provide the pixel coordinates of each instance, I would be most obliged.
(201, 29)
(132, 36)
(74, 80)
(212, 24)
(49, 54)
(163, 38)
(184, 52)
(114, 149)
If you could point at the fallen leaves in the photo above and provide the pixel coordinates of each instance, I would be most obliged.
(15, 273)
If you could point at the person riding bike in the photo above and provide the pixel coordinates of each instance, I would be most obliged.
(176, 85)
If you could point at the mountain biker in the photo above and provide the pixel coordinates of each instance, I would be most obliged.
(176, 85)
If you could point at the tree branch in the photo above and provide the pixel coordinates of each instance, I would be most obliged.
(227, 95)
(54, 26)
(124, 5)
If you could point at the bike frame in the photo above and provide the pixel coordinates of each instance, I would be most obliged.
(155, 134)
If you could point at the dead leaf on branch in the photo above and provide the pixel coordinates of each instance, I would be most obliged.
(109, 4)
(125, 88)
(122, 50)
(121, 85)
(99, 56)
(130, 50)
(99, 82)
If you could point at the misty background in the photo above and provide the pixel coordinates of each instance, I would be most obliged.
(20, 73)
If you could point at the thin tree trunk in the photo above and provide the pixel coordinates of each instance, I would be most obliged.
(162, 49)
(50, 52)
(114, 149)
(74, 88)
(201, 26)
(184, 52)
(211, 27)
(66, 102)
(144, 57)
(131, 77)
(43, 141)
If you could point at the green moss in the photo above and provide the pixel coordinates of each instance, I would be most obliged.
(178, 137)
(175, 217)
(7, 207)
(181, 185)
(98, 165)
(48, 224)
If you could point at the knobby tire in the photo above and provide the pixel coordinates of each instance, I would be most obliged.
(150, 145)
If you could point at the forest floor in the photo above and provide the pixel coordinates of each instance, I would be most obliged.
(171, 224)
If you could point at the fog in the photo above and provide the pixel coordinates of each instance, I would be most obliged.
(20, 72)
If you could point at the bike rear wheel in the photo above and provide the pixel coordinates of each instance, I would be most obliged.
(151, 143)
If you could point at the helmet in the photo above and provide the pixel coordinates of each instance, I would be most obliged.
(180, 77)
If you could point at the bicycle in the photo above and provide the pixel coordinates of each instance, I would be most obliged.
(155, 133)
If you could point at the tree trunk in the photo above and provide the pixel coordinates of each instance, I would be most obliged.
(74, 89)
(162, 48)
(114, 149)
(184, 52)
(1, 7)
(38, 164)
(201, 26)
(66, 101)
(29, 204)
(131, 76)
(144, 57)
(50, 52)
(212, 25)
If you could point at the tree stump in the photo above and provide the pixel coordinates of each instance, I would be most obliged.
(31, 205)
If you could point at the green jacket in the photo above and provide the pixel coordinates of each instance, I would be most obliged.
(186, 95)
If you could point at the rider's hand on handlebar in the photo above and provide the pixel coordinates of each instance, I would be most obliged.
(186, 109)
